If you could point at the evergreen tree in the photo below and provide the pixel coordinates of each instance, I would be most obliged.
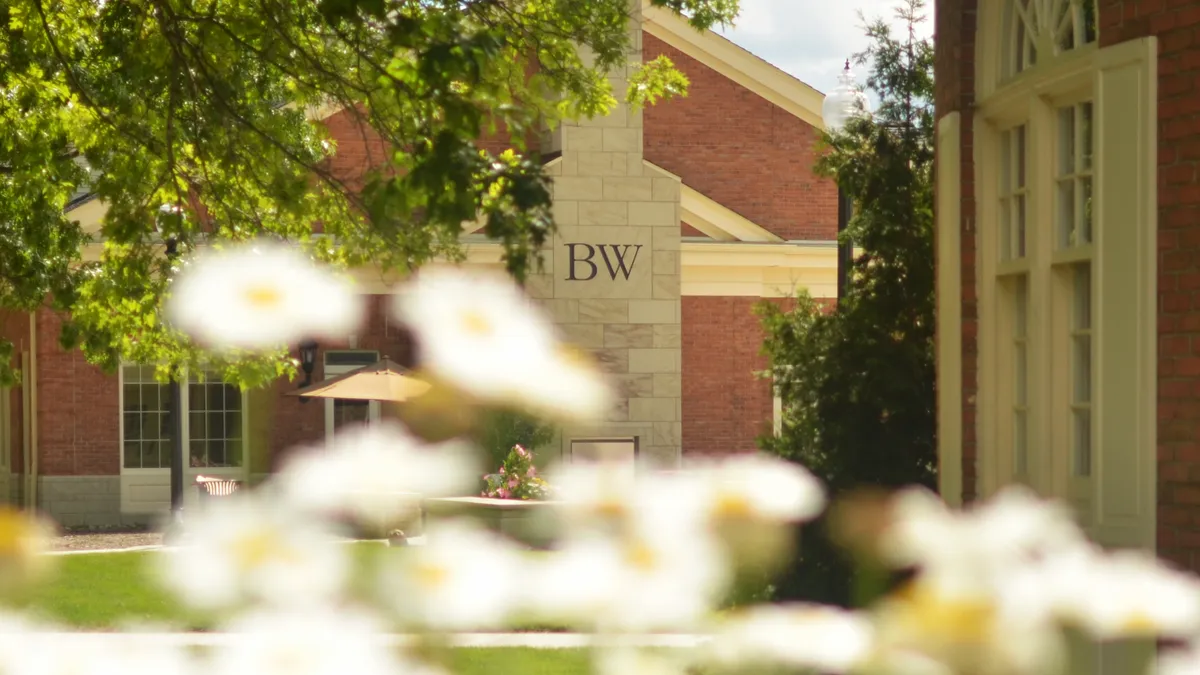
(857, 381)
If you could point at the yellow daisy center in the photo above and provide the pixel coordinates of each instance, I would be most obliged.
(956, 620)
(641, 557)
(430, 575)
(732, 505)
(263, 296)
(16, 532)
(1139, 622)
(476, 324)
(255, 549)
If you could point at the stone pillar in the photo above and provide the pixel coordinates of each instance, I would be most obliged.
(613, 275)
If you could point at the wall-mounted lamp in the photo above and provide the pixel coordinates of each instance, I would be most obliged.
(308, 360)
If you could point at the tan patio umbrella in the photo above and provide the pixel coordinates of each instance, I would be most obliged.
(382, 381)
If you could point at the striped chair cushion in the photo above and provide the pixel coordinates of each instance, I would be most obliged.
(219, 488)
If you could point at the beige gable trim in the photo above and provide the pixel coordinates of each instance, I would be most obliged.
(719, 222)
(736, 63)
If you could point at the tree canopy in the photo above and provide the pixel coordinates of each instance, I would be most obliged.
(201, 107)
(857, 382)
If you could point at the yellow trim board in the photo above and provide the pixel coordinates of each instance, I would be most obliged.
(736, 63)
(719, 222)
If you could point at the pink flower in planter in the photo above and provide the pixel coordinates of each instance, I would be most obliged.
(503, 493)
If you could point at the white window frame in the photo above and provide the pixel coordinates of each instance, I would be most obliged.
(374, 410)
(1118, 498)
(147, 490)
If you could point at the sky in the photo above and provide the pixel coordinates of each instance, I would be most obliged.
(811, 39)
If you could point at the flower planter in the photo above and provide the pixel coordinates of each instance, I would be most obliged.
(527, 521)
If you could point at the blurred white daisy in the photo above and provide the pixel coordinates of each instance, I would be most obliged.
(261, 295)
(51, 653)
(983, 632)
(329, 642)
(1123, 594)
(633, 582)
(479, 333)
(639, 661)
(799, 637)
(463, 578)
(245, 548)
(758, 487)
(377, 473)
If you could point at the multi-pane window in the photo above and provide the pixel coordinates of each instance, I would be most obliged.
(1073, 265)
(214, 422)
(1014, 285)
(1081, 370)
(215, 416)
(1042, 28)
(1013, 194)
(146, 406)
(1020, 374)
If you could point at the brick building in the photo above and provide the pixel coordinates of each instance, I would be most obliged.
(717, 191)
(1068, 218)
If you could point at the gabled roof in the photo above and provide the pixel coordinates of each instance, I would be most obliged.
(735, 63)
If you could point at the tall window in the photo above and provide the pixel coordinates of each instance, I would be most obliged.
(215, 415)
(1073, 268)
(1013, 272)
(145, 408)
(1038, 29)
(214, 422)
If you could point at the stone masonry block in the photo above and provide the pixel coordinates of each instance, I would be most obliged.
(629, 335)
(659, 214)
(652, 410)
(653, 361)
(666, 262)
(583, 188)
(667, 385)
(635, 189)
(666, 239)
(666, 287)
(601, 163)
(667, 336)
(603, 213)
(582, 139)
(589, 335)
(566, 212)
(665, 190)
(653, 311)
(621, 140)
(592, 310)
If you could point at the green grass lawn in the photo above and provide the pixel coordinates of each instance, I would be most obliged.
(104, 591)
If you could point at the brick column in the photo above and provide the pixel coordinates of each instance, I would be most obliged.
(613, 275)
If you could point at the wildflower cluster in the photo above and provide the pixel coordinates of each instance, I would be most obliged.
(517, 478)
(993, 590)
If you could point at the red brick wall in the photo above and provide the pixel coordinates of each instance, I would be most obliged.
(725, 406)
(1175, 23)
(740, 150)
(292, 423)
(78, 409)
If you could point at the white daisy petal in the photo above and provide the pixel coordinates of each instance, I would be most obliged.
(247, 549)
(825, 639)
(377, 474)
(261, 296)
(481, 334)
(463, 578)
